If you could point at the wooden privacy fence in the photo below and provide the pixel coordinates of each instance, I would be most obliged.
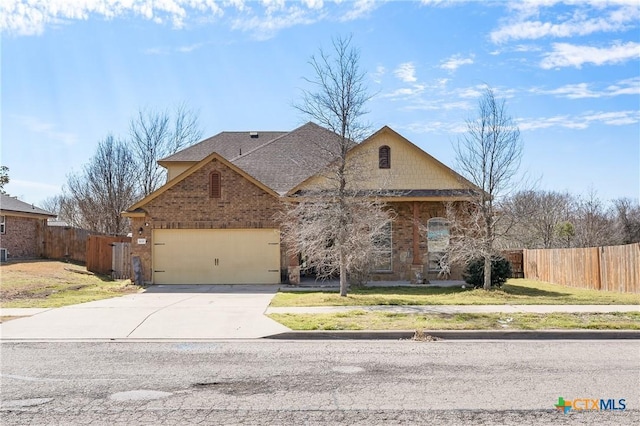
(614, 268)
(100, 253)
(515, 259)
(121, 261)
(65, 243)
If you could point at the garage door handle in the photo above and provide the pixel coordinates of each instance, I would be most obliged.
(216, 262)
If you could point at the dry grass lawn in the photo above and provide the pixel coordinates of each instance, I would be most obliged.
(51, 284)
(514, 292)
(361, 320)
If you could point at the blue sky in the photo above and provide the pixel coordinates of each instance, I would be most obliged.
(73, 72)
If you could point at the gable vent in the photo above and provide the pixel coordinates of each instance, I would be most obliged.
(253, 135)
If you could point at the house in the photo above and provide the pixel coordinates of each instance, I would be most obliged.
(21, 229)
(215, 219)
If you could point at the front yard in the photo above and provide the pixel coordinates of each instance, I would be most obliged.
(514, 292)
(51, 284)
(361, 320)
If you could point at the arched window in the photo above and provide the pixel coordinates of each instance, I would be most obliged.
(384, 157)
(215, 185)
(437, 244)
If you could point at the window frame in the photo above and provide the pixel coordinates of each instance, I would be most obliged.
(387, 249)
(434, 256)
(3, 224)
(384, 157)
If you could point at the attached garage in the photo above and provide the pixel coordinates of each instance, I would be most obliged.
(216, 256)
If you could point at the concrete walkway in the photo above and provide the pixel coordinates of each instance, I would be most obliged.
(169, 312)
(456, 309)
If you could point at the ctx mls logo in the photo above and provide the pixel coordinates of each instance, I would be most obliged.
(589, 404)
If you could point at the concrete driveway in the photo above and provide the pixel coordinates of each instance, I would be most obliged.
(160, 312)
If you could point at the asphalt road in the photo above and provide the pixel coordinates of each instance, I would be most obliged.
(316, 382)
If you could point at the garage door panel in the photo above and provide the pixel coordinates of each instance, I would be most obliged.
(216, 256)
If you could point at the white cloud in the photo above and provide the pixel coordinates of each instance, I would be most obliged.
(570, 55)
(180, 49)
(20, 18)
(439, 127)
(265, 18)
(455, 62)
(470, 92)
(406, 72)
(378, 74)
(437, 105)
(48, 130)
(405, 92)
(581, 122)
(586, 19)
(629, 86)
(265, 27)
(361, 8)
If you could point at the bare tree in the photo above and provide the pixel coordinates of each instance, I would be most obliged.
(627, 220)
(4, 178)
(158, 134)
(106, 186)
(536, 216)
(488, 155)
(53, 204)
(593, 222)
(66, 208)
(337, 227)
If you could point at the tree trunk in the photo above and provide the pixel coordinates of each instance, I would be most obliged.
(343, 274)
(487, 272)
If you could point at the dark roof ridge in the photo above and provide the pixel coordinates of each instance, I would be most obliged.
(211, 139)
(275, 139)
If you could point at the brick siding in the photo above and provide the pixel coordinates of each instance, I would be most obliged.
(187, 205)
(22, 237)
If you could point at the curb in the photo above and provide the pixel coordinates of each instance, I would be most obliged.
(462, 335)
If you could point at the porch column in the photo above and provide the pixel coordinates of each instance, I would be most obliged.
(416, 264)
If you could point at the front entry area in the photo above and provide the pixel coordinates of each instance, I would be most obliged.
(216, 256)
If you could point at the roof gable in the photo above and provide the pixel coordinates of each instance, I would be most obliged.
(411, 169)
(140, 204)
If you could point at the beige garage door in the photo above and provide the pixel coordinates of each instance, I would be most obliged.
(216, 256)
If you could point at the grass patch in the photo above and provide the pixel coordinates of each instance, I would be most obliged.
(514, 292)
(51, 284)
(361, 320)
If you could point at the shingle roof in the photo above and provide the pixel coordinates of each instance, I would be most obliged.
(280, 160)
(227, 144)
(288, 160)
(11, 204)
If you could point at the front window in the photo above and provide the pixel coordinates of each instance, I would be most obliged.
(2, 224)
(437, 243)
(384, 251)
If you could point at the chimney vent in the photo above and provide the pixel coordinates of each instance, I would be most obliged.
(253, 135)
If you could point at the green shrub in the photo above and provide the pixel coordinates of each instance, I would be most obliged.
(500, 271)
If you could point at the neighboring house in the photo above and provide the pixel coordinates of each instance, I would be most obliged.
(21, 229)
(215, 220)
